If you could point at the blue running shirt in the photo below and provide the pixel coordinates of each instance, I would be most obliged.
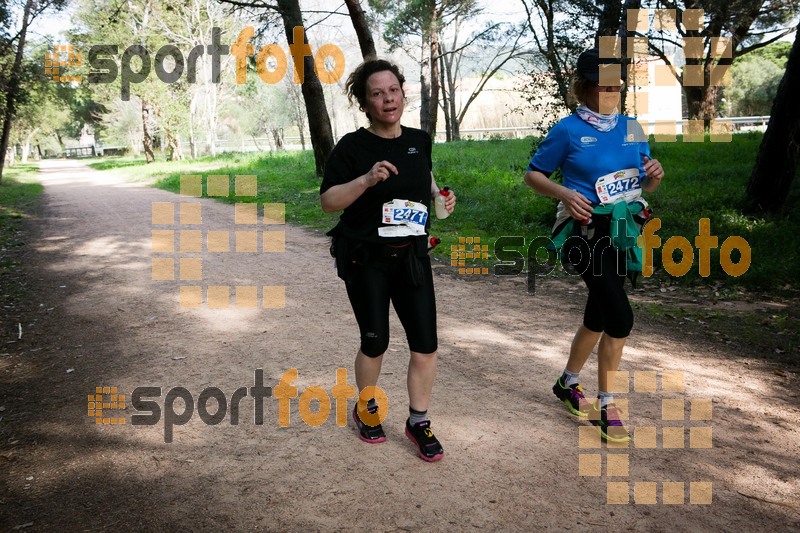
(585, 154)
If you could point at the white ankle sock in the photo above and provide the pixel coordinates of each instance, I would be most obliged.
(605, 398)
(570, 378)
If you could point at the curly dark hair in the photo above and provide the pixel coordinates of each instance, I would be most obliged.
(356, 86)
(579, 89)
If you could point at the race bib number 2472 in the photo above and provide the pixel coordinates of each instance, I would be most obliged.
(620, 185)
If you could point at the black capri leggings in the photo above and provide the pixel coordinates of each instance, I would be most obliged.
(379, 281)
(607, 307)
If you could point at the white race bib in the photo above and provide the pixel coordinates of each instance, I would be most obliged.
(405, 218)
(620, 185)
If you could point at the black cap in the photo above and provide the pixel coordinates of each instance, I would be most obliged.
(589, 64)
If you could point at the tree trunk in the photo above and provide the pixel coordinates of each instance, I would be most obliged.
(455, 124)
(623, 37)
(192, 140)
(173, 147)
(192, 145)
(277, 135)
(333, 113)
(26, 149)
(211, 110)
(60, 141)
(176, 152)
(701, 102)
(319, 122)
(12, 91)
(147, 134)
(446, 98)
(301, 131)
(359, 19)
(548, 50)
(448, 85)
(776, 163)
(297, 113)
(609, 19)
(693, 93)
(429, 69)
(433, 103)
(26, 146)
(424, 93)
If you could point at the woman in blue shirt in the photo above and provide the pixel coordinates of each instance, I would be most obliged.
(604, 157)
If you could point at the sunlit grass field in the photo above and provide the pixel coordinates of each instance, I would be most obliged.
(703, 180)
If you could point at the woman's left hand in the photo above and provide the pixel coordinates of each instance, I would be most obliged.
(450, 202)
(653, 169)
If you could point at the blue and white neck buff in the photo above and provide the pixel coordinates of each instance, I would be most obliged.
(602, 123)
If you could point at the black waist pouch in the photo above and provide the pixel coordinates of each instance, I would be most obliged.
(337, 253)
(406, 255)
(347, 252)
(350, 253)
(414, 270)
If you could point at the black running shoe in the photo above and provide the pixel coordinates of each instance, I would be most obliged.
(422, 435)
(608, 420)
(572, 397)
(369, 434)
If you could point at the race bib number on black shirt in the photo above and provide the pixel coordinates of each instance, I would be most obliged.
(355, 154)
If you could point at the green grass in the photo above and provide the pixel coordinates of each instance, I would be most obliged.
(116, 163)
(136, 168)
(19, 193)
(708, 181)
(703, 180)
(283, 177)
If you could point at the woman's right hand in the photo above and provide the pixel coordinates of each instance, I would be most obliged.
(341, 196)
(380, 171)
(577, 205)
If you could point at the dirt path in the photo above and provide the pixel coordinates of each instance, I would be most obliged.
(96, 318)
